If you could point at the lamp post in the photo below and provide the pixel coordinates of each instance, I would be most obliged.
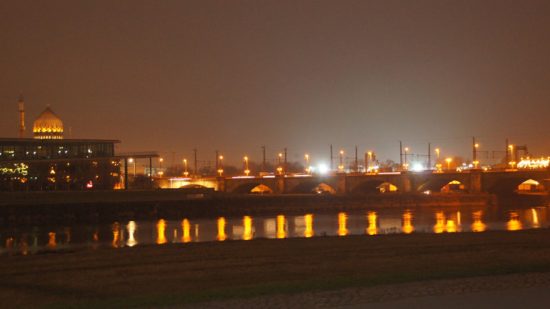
(246, 170)
(437, 154)
(279, 167)
(369, 159)
(160, 166)
(406, 166)
(220, 165)
(185, 171)
(131, 160)
(308, 169)
(512, 156)
(448, 160)
(341, 157)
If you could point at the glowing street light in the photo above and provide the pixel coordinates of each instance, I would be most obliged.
(341, 156)
(449, 160)
(308, 169)
(220, 169)
(512, 157)
(476, 146)
(280, 160)
(406, 165)
(437, 152)
(131, 160)
(160, 166)
(185, 171)
(246, 170)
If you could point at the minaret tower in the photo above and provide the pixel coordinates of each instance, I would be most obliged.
(21, 104)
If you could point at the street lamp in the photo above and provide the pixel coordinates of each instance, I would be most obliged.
(279, 167)
(406, 152)
(437, 151)
(246, 170)
(185, 171)
(341, 156)
(512, 157)
(369, 159)
(449, 160)
(160, 166)
(308, 169)
(220, 166)
(131, 160)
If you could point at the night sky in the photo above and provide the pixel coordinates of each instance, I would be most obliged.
(234, 75)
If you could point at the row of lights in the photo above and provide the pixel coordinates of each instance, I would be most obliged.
(309, 168)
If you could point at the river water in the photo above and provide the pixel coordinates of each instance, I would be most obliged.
(38, 239)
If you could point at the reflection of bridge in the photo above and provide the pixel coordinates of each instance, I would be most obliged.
(472, 181)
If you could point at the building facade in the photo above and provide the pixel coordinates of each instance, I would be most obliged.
(58, 164)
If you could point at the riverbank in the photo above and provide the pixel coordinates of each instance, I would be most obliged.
(96, 206)
(237, 272)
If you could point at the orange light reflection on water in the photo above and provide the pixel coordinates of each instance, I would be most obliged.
(131, 228)
(51, 240)
(186, 231)
(161, 230)
(535, 217)
(281, 227)
(439, 226)
(221, 229)
(116, 235)
(407, 226)
(514, 224)
(372, 217)
(478, 225)
(247, 228)
(342, 224)
(309, 232)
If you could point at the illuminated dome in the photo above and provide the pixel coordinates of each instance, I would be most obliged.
(48, 125)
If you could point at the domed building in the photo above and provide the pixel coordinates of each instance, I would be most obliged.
(48, 125)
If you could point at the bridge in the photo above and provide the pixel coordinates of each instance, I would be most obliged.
(473, 181)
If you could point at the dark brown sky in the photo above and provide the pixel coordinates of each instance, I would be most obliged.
(233, 75)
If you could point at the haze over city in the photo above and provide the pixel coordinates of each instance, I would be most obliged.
(232, 76)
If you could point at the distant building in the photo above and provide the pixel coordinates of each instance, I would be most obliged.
(58, 164)
(49, 162)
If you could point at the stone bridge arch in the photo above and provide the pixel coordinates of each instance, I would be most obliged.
(437, 185)
(248, 188)
(435, 182)
(245, 185)
(312, 186)
(375, 186)
(306, 185)
(503, 183)
(369, 184)
(509, 184)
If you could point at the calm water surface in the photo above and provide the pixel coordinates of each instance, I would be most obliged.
(30, 240)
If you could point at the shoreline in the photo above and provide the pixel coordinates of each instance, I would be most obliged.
(93, 207)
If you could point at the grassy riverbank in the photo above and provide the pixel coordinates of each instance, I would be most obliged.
(198, 272)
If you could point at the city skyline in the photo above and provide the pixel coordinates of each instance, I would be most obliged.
(298, 75)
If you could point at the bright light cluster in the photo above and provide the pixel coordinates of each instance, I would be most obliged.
(529, 163)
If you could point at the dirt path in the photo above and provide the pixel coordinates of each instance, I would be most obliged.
(508, 291)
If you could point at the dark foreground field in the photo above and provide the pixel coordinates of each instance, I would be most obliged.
(235, 272)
